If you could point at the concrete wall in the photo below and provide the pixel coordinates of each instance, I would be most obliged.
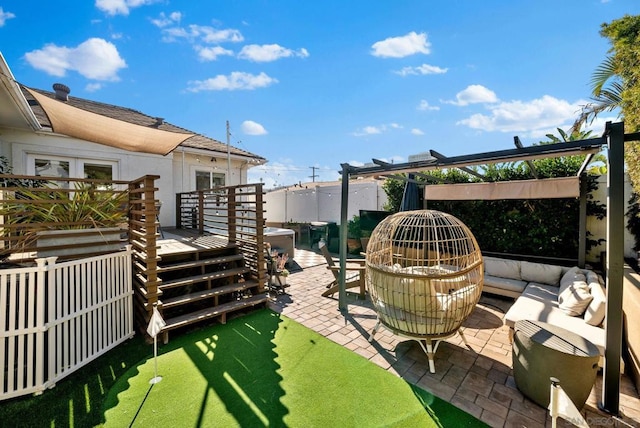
(321, 201)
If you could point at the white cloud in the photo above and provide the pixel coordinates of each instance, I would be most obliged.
(399, 47)
(4, 16)
(202, 33)
(367, 130)
(211, 53)
(416, 131)
(249, 127)
(121, 7)
(93, 87)
(164, 20)
(268, 53)
(94, 59)
(424, 106)
(536, 117)
(374, 130)
(474, 94)
(421, 70)
(237, 80)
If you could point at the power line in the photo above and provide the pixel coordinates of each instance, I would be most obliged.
(314, 175)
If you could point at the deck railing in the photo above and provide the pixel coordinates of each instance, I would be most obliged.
(64, 217)
(143, 232)
(58, 317)
(234, 212)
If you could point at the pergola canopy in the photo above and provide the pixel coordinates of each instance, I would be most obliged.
(548, 188)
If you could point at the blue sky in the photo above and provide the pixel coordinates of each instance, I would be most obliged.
(319, 83)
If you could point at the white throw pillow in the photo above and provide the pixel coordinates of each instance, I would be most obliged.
(595, 313)
(567, 278)
(540, 273)
(575, 298)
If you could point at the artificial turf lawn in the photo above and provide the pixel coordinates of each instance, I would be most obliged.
(265, 370)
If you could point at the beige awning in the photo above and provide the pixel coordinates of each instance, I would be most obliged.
(564, 187)
(85, 125)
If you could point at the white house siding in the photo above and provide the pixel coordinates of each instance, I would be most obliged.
(17, 145)
(321, 201)
(185, 162)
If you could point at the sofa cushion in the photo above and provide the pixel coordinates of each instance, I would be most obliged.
(540, 302)
(595, 313)
(540, 273)
(511, 285)
(574, 298)
(502, 268)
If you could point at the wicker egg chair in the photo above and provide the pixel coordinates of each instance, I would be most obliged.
(424, 273)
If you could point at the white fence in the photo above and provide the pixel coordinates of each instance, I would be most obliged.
(57, 317)
(321, 201)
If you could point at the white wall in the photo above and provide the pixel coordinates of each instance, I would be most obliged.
(321, 201)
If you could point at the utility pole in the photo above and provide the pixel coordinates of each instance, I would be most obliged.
(313, 174)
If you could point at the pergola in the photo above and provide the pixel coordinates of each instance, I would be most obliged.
(613, 138)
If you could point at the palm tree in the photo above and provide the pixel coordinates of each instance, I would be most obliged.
(606, 88)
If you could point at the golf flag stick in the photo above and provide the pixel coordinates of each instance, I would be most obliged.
(156, 323)
(560, 404)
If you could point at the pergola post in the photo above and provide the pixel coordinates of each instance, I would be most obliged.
(344, 205)
(614, 269)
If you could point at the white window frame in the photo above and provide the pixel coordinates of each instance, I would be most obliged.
(76, 165)
(211, 171)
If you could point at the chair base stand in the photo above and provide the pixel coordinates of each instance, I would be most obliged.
(428, 345)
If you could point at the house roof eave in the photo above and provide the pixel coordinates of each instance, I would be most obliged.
(16, 104)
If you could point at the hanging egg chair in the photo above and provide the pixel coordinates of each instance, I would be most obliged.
(424, 273)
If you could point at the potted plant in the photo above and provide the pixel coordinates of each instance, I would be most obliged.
(69, 223)
(284, 274)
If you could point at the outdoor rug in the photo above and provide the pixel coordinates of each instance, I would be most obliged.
(264, 369)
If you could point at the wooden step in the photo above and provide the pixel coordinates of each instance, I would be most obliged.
(206, 294)
(196, 263)
(220, 310)
(212, 276)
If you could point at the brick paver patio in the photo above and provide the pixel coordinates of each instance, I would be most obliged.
(478, 380)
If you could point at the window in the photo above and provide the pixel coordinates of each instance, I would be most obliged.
(207, 180)
(55, 166)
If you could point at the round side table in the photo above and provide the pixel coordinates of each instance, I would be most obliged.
(542, 351)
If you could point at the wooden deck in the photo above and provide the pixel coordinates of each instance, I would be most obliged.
(177, 241)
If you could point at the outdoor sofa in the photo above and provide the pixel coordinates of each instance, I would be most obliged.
(570, 298)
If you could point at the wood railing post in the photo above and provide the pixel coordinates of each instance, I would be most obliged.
(150, 225)
(201, 211)
(231, 213)
(261, 259)
(178, 210)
